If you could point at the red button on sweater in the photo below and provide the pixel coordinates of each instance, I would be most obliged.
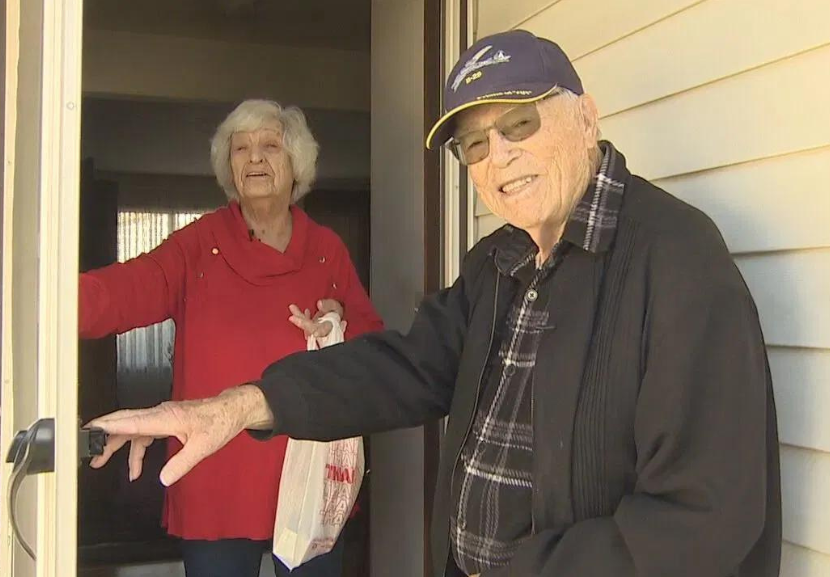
(229, 297)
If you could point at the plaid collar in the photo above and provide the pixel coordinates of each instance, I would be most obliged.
(593, 224)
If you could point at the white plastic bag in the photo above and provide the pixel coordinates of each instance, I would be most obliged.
(319, 487)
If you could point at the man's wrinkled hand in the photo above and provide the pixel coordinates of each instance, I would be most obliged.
(202, 426)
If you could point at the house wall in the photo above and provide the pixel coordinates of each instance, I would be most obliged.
(724, 104)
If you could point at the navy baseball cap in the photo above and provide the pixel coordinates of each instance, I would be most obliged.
(508, 67)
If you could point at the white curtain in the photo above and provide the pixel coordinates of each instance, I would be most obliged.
(145, 354)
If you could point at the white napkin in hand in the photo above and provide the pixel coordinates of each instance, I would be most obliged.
(338, 326)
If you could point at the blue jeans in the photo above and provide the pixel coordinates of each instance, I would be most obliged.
(242, 558)
(328, 565)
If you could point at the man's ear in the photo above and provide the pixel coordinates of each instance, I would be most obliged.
(590, 116)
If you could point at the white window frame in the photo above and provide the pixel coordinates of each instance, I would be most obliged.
(453, 173)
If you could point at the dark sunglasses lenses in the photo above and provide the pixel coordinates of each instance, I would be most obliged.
(516, 125)
(519, 123)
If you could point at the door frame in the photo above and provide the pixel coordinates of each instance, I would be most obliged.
(449, 208)
(53, 62)
(11, 25)
(58, 278)
(435, 217)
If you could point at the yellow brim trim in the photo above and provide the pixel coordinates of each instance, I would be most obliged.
(441, 121)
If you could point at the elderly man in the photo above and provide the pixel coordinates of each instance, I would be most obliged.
(600, 359)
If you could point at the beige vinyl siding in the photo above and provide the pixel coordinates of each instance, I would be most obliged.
(797, 561)
(580, 25)
(724, 103)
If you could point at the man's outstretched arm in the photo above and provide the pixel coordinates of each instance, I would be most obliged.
(377, 382)
(203, 426)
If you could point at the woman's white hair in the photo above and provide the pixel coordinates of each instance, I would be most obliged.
(296, 137)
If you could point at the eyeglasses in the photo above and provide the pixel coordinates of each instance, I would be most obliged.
(514, 125)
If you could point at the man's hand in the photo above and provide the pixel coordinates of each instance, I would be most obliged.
(312, 326)
(203, 426)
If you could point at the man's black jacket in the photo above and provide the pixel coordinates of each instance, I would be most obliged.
(656, 450)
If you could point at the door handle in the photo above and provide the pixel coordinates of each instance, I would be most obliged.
(33, 452)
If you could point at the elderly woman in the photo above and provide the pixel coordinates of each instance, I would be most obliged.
(232, 281)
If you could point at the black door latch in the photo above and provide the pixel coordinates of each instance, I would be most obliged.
(33, 452)
(39, 442)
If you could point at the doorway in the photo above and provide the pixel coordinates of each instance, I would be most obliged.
(42, 251)
(159, 77)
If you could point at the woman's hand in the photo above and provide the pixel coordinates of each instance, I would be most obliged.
(311, 325)
(326, 306)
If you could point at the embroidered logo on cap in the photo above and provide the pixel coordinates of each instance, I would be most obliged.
(475, 63)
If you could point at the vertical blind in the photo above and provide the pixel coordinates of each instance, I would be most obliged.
(145, 354)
